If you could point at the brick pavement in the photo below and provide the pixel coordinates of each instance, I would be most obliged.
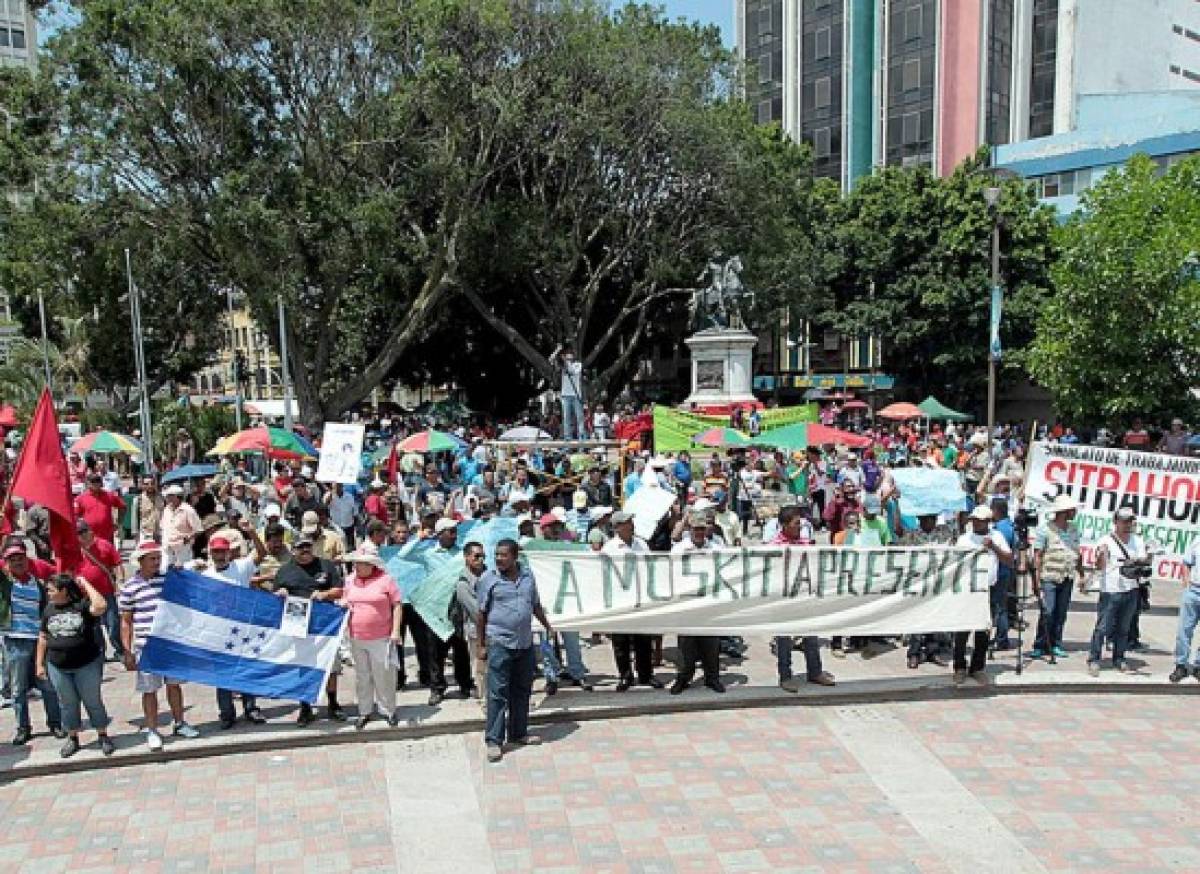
(1083, 784)
(751, 681)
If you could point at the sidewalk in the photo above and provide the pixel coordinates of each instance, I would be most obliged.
(751, 682)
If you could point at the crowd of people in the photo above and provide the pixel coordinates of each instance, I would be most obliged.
(285, 533)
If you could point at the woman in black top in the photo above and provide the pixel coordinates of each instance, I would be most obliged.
(67, 651)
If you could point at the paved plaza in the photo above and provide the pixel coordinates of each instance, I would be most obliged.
(1037, 783)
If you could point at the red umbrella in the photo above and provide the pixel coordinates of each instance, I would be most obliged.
(900, 411)
(854, 405)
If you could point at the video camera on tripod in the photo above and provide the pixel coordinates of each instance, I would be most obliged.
(1022, 523)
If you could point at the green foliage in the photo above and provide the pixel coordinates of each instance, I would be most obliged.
(1118, 340)
(206, 424)
(924, 245)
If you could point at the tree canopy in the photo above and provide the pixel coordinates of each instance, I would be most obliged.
(1118, 338)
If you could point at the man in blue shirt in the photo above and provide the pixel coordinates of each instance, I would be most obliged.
(508, 601)
(1004, 580)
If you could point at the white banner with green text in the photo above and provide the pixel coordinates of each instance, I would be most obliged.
(767, 590)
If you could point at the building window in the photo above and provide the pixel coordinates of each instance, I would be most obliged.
(1056, 184)
(823, 94)
(831, 341)
(3, 37)
(764, 111)
(764, 68)
(911, 79)
(764, 18)
(912, 23)
(821, 142)
(18, 39)
(865, 353)
(824, 43)
(911, 128)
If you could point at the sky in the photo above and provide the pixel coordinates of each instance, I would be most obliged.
(718, 12)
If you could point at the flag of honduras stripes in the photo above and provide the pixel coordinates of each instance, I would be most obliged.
(210, 632)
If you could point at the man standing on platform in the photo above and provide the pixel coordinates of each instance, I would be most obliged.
(573, 427)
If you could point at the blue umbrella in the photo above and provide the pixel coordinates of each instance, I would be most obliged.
(190, 471)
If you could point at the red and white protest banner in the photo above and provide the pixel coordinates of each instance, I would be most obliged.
(1163, 490)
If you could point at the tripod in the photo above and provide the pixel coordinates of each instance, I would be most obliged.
(1027, 593)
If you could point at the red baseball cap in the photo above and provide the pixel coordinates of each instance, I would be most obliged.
(548, 519)
(15, 549)
(219, 543)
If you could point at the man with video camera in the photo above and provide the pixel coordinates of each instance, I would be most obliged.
(1121, 564)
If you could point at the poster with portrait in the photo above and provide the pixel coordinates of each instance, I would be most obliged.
(341, 453)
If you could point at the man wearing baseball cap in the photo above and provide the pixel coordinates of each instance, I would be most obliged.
(1118, 554)
(236, 572)
(22, 599)
(138, 601)
(981, 537)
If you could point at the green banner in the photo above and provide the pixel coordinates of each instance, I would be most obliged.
(674, 429)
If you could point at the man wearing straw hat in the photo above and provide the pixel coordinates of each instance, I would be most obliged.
(1057, 564)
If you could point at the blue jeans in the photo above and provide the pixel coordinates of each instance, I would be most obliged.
(551, 668)
(225, 703)
(112, 624)
(80, 687)
(1114, 618)
(998, 599)
(1189, 615)
(509, 685)
(812, 657)
(572, 424)
(1058, 601)
(21, 677)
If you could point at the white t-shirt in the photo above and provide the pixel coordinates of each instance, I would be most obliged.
(688, 545)
(572, 380)
(617, 546)
(976, 541)
(1189, 560)
(855, 475)
(1111, 581)
(237, 573)
(342, 509)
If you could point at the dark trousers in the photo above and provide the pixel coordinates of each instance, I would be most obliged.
(509, 685)
(225, 706)
(979, 648)
(1057, 598)
(705, 650)
(438, 649)
(414, 624)
(640, 644)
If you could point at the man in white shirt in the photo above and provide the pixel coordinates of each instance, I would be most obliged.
(223, 566)
(694, 648)
(1118, 557)
(180, 524)
(852, 472)
(982, 537)
(343, 511)
(571, 392)
(1189, 615)
(624, 541)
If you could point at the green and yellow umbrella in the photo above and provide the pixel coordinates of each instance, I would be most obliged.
(718, 438)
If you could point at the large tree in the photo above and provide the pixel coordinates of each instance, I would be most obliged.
(915, 269)
(1118, 340)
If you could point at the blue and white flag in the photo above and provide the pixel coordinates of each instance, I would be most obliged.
(210, 632)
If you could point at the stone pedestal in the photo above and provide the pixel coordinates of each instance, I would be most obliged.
(722, 367)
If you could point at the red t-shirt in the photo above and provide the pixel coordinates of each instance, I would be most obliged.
(96, 510)
(103, 555)
(376, 507)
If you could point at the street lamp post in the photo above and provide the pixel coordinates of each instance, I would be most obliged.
(992, 196)
(237, 376)
(45, 341)
(139, 361)
(285, 370)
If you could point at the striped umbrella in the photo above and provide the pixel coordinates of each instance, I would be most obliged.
(102, 442)
(430, 441)
(273, 442)
(802, 435)
(721, 437)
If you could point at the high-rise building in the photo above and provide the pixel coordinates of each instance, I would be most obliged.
(18, 34)
(899, 82)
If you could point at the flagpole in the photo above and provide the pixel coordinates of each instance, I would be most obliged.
(45, 341)
(139, 361)
(284, 367)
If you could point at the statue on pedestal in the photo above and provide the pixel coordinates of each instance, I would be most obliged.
(718, 305)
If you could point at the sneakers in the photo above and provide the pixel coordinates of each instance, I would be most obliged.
(494, 753)
(22, 737)
(1059, 652)
(979, 677)
(435, 698)
(823, 679)
(182, 729)
(791, 684)
(1123, 667)
(960, 676)
(1180, 673)
(58, 731)
(1094, 669)
(1037, 654)
(305, 716)
(106, 745)
(153, 739)
(255, 716)
(70, 748)
(530, 740)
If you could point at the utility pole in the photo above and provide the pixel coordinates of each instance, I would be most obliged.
(992, 195)
(45, 341)
(139, 360)
(237, 372)
(284, 367)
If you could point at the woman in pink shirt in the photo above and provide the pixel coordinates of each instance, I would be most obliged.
(376, 611)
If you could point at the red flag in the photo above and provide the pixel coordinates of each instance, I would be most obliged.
(393, 465)
(41, 477)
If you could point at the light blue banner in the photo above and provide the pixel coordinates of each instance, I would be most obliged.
(925, 491)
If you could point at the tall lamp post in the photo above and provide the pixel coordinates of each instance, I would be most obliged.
(992, 195)
(284, 368)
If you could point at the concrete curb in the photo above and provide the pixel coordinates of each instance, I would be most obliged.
(884, 692)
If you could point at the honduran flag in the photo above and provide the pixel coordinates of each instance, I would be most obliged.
(217, 634)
